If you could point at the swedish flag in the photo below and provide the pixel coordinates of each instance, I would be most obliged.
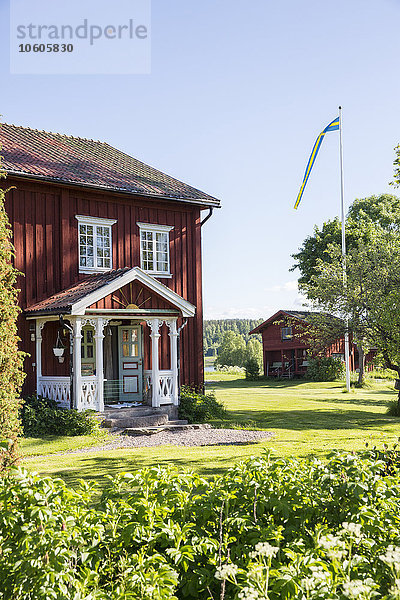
(333, 126)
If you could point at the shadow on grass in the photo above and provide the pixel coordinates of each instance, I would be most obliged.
(299, 420)
(272, 384)
(97, 468)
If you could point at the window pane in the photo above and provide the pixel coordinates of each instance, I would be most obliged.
(125, 349)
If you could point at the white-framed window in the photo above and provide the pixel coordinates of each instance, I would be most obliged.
(286, 334)
(154, 249)
(95, 243)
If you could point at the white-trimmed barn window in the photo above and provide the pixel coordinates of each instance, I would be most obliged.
(154, 249)
(95, 243)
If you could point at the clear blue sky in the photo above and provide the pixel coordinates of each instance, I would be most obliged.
(237, 93)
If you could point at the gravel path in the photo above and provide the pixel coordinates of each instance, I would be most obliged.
(191, 437)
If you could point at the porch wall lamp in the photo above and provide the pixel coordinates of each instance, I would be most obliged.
(59, 348)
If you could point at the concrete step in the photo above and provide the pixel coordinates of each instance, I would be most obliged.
(178, 422)
(136, 431)
(139, 411)
(151, 420)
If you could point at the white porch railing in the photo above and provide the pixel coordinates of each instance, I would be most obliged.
(89, 396)
(165, 393)
(55, 388)
(58, 389)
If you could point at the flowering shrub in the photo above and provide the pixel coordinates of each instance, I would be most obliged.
(265, 529)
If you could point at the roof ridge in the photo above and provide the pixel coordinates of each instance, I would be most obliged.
(56, 133)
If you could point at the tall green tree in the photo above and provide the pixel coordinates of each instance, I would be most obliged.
(368, 219)
(364, 217)
(11, 359)
(232, 351)
(370, 299)
(254, 351)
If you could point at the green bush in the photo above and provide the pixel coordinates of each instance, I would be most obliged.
(393, 409)
(199, 408)
(325, 369)
(381, 374)
(278, 529)
(41, 416)
(252, 369)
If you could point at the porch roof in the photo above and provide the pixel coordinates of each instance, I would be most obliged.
(76, 299)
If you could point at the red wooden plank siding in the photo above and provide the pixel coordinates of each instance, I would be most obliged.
(46, 243)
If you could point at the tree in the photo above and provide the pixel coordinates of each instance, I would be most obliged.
(254, 351)
(364, 216)
(11, 359)
(232, 351)
(368, 218)
(370, 300)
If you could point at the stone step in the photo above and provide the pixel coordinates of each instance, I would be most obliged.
(178, 422)
(136, 411)
(150, 420)
(136, 431)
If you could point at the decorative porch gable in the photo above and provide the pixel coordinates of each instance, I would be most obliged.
(127, 303)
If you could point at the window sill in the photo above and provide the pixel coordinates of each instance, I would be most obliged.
(159, 275)
(93, 270)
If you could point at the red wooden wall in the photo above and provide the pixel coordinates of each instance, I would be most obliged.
(42, 216)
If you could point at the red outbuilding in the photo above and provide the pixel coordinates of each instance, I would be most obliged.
(285, 349)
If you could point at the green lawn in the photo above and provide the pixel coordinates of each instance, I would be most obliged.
(306, 418)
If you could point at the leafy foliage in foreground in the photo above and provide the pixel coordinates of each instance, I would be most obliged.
(11, 359)
(41, 416)
(277, 529)
(199, 408)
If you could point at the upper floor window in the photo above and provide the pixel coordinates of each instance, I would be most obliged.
(286, 333)
(154, 249)
(95, 243)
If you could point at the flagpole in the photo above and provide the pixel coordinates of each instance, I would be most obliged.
(346, 335)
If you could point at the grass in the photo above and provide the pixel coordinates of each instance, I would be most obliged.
(49, 444)
(306, 419)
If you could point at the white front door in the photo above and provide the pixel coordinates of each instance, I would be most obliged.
(130, 363)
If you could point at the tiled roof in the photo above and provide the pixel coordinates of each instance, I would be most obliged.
(61, 158)
(63, 301)
(296, 314)
(301, 315)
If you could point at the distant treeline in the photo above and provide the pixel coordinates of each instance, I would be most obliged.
(214, 332)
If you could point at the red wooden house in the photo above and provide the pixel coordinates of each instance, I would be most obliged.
(285, 352)
(110, 249)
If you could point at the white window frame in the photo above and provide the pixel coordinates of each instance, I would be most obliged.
(94, 222)
(155, 228)
(288, 335)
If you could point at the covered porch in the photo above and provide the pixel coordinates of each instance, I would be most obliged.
(100, 346)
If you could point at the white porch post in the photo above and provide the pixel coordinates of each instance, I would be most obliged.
(39, 327)
(77, 368)
(99, 336)
(154, 325)
(173, 336)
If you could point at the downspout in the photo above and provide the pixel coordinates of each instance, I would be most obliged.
(65, 325)
(185, 322)
(211, 209)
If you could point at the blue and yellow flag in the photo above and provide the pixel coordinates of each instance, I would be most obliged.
(333, 126)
